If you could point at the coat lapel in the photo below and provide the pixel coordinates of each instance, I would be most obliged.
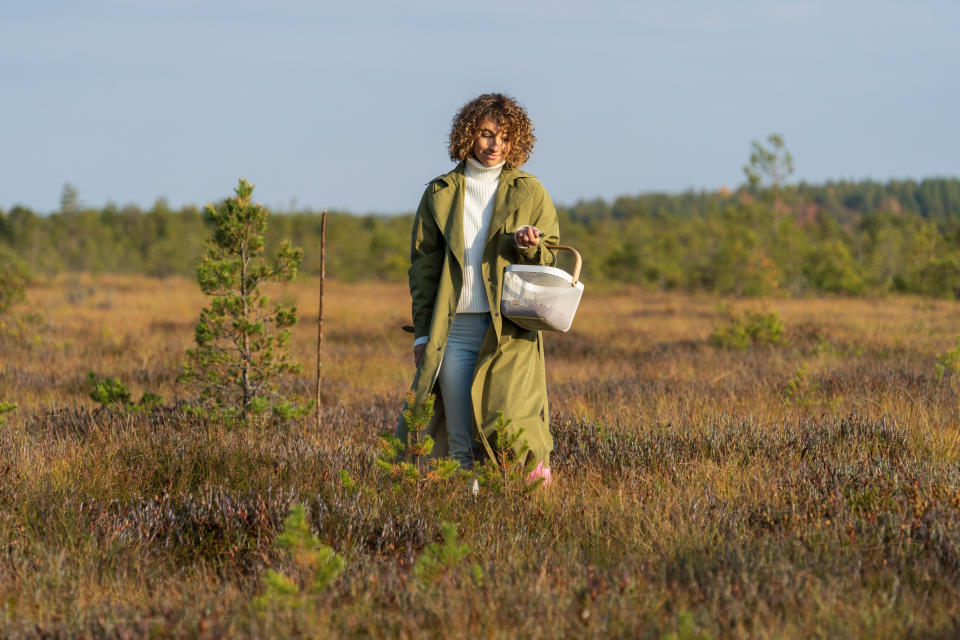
(448, 212)
(507, 200)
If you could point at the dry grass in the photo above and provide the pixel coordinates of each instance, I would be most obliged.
(806, 489)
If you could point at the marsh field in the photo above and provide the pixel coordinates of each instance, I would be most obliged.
(805, 488)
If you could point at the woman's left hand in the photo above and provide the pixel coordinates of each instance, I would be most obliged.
(526, 236)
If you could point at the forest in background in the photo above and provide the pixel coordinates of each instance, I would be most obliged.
(848, 237)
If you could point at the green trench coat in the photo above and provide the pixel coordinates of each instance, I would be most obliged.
(510, 375)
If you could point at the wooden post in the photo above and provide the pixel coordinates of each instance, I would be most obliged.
(323, 275)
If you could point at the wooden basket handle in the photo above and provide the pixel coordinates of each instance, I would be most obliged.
(576, 268)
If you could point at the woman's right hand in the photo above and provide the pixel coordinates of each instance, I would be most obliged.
(418, 352)
(526, 236)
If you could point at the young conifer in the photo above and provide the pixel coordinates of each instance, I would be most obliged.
(242, 339)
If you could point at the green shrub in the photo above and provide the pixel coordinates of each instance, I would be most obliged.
(13, 279)
(948, 361)
(740, 331)
(150, 400)
(832, 269)
(110, 392)
(6, 407)
(940, 277)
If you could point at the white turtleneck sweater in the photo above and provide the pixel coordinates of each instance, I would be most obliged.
(481, 182)
(481, 186)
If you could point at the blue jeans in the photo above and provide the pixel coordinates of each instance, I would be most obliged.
(456, 378)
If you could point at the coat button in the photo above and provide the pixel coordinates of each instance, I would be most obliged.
(449, 315)
(497, 314)
(490, 279)
(438, 348)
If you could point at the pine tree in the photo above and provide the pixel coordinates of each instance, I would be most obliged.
(242, 340)
(773, 164)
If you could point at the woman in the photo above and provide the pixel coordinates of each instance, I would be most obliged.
(471, 223)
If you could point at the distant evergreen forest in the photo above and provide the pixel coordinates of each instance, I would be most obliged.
(856, 237)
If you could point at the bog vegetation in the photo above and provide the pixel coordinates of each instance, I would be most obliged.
(724, 465)
(798, 487)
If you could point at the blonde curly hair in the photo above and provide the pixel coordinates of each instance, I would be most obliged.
(506, 113)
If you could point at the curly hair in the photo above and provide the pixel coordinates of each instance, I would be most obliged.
(501, 109)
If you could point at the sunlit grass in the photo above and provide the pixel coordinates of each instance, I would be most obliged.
(809, 488)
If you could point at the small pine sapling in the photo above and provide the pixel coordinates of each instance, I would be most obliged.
(441, 469)
(512, 468)
(242, 340)
(439, 559)
(348, 483)
(391, 461)
(317, 565)
(403, 462)
(417, 416)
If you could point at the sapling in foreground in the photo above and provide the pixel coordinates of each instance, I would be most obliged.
(405, 461)
(316, 565)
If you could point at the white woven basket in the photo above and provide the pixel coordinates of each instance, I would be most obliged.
(542, 298)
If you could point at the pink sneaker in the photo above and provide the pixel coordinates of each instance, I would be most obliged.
(539, 472)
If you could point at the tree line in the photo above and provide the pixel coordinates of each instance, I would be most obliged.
(848, 237)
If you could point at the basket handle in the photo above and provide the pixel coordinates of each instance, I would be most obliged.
(576, 268)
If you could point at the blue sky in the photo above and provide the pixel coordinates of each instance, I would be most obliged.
(347, 105)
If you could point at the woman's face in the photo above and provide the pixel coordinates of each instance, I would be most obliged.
(492, 144)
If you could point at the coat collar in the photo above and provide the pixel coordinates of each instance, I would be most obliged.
(511, 193)
(455, 176)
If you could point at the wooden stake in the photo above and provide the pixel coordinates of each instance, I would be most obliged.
(323, 275)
